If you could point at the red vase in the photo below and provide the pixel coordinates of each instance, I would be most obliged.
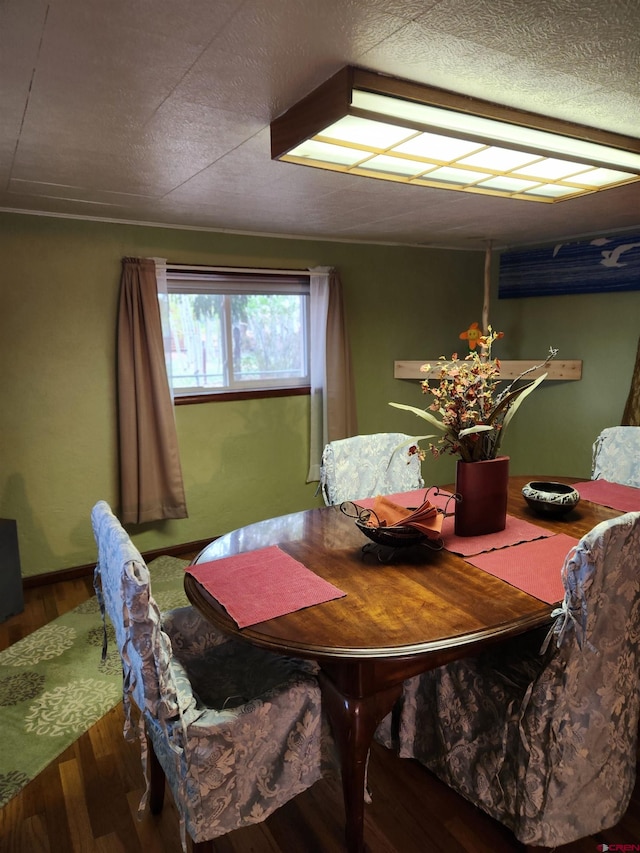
(482, 487)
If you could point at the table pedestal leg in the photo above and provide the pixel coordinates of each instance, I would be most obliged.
(354, 720)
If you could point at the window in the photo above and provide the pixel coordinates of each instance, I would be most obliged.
(236, 330)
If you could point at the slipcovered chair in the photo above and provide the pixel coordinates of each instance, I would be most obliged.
(236, 730)
(616, 456)
(368, 465)
(544, 743)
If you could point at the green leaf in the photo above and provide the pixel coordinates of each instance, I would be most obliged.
(474, 429)
(421, 413)
(518, 401)
(516, 405)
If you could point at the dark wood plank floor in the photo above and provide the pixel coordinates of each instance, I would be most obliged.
(86, 800)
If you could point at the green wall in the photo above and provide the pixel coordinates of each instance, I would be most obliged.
(554, 430)
(243, 461)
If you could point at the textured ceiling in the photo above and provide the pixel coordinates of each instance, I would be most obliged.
(158, 111)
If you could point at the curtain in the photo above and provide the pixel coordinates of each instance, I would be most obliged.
(163, 300)
(151, 486)
(332, 401)
(631, 416)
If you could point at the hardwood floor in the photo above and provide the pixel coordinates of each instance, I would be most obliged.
(86, 800)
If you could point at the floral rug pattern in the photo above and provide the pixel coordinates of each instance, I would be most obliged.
(54, 685)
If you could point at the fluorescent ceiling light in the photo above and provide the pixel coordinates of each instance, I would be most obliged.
(362, 123)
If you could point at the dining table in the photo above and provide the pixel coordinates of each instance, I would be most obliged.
(396, 613)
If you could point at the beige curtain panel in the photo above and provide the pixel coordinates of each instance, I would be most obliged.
(342, 420)
(151, 486)
(631, 416)
(332, 401)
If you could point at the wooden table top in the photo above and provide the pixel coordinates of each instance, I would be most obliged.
(425, 602)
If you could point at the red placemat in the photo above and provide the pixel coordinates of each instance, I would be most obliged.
(263, 584)
(515, 531)
(533, 567)
(614, 495)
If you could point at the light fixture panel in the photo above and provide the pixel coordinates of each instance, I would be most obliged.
(449, 174)
(552, 191)
(363, 123)
(370, 134)
(433, 146)
(552, 169)
(323, 152)
(393, 165)
(603, 177)
(499, 159)
(509, 185)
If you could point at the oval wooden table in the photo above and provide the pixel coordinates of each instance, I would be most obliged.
(397, 619)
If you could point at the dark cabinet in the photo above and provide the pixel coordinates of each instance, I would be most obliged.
(11, 598)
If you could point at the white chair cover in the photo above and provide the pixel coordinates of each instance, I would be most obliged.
(368, 465)
(238, 730)
(616, 456)
(544, 744)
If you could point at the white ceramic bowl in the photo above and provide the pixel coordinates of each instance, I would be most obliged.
(548, 498)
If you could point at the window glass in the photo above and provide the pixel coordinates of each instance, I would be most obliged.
(232, 331)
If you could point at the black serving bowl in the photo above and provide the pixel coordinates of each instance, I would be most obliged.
(548, 498)
(392, 537)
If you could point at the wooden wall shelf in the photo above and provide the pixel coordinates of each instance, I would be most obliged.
(565, 370)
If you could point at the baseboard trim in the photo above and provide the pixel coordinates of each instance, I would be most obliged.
(82, 571)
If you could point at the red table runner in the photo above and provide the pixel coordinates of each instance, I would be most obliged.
(614, 495)
(263, 584)
(533, 567)
(516, 530)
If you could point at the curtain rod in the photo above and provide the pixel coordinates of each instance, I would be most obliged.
(266, 270)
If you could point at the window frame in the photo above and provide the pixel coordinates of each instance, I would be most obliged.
(237, 281)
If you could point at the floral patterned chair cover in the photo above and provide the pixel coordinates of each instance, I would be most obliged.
(616, 456)
(546, 744)
(368, 465)
(237, 731)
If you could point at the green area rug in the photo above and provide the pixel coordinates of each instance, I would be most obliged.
(54, 685)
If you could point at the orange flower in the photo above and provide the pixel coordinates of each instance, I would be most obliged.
(472, 334)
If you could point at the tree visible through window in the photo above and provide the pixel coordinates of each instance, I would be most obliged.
(232, 330)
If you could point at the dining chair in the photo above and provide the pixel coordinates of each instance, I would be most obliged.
(364, 466)
(236, 731)
(616, 456)
(543, 742)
